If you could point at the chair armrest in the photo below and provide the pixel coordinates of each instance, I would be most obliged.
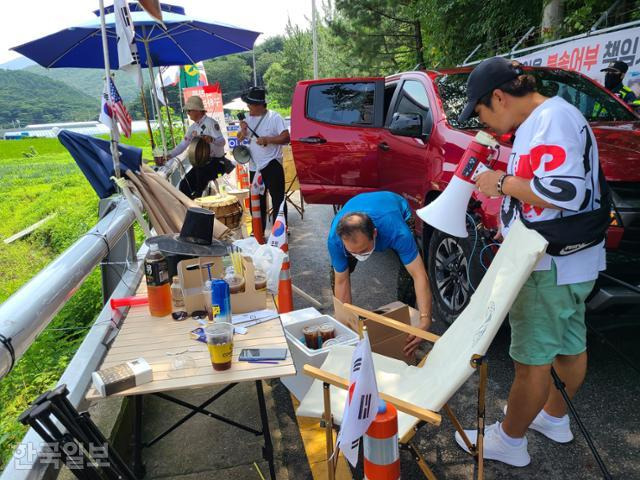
(405, 407)
(418, 332)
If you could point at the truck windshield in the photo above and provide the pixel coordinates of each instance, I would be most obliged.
(595, 103)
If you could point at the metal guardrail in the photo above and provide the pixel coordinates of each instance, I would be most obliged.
(28, 311)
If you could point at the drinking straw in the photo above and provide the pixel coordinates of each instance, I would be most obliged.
(209, 271)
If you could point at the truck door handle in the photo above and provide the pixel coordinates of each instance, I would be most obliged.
(312, 140)
(384, 146)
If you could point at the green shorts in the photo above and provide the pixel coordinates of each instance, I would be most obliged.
(548, 319)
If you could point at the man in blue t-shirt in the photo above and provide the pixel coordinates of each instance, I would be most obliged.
(371, 222)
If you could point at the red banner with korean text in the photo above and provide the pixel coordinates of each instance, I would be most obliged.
(212, 98)
(591, 54)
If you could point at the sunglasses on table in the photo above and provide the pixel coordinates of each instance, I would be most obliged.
(182, 315)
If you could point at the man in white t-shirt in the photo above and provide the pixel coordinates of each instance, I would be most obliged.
(207, 128)
(552, 172)
(266, 132)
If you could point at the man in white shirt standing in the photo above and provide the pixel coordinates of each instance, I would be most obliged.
(552, 175)
(266, 132)
(207, 128)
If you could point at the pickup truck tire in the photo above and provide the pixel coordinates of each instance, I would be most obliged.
(452, 273)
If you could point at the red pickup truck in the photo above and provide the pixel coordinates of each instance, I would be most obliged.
(401, 133)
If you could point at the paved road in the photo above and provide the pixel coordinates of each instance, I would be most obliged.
(607, 401)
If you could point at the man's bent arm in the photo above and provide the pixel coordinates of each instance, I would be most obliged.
(343, 286)
(423, 290)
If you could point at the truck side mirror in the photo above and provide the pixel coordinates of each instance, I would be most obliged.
(406, 125)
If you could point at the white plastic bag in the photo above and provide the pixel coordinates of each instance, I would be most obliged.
(266, 258)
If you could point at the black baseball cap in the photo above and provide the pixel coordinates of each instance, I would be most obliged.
(485, 78)
(616, 67)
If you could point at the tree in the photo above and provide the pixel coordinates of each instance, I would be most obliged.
(385, 35)
(552, 17)
(232, 72)
(295, 64)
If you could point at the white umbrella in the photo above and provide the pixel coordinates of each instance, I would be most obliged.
(236, 104)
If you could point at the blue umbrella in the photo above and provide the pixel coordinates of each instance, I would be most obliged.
(186, 40)
(93, 156)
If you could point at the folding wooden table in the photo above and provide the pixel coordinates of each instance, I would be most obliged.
(158, 339)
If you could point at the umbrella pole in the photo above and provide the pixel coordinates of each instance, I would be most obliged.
(154, 95)
(184, 130)
(166, 97)
(146, 115)
(107, 69)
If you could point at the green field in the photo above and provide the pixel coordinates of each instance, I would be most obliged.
(30, 189)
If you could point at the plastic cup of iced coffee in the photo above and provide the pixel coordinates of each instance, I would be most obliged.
(310, 333)
(220, 344)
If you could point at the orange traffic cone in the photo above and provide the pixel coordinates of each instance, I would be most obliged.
(243, 181)
(285, 291)
(256, 220)
(381, 452)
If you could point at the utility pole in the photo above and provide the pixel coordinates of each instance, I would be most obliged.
(314, 30)
(255, 74)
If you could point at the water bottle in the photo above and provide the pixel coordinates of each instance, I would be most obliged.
(156, 270)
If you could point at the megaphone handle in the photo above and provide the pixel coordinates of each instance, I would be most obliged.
(481, 168)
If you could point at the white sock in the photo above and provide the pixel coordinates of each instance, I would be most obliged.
(551, 418)
(514, 442)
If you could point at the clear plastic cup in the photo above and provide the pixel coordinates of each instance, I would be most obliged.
(327, 331)
(310, 333)
(206, 297)
(260, 279)
(329, 343)
(220, 344)
(342, 338)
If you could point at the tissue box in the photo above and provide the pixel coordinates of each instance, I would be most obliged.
(122, 377)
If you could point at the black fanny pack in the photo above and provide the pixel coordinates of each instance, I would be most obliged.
(574, 233)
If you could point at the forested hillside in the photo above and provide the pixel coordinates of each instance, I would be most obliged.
(31, 98)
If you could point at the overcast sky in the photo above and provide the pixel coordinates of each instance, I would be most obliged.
(27, 20)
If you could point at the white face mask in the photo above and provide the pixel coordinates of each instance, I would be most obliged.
(361, 257)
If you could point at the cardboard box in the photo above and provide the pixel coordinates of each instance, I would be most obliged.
(193, 273)
(384, 340)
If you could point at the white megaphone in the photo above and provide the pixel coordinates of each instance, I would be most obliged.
(448, 212)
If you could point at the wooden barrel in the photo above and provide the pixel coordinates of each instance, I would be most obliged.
(227, 208)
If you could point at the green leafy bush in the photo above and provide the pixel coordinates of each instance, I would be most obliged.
(31, 189)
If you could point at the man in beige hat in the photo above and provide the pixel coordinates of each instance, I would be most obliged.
(207, 128)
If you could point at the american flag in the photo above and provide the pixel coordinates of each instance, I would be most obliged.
(118, 109)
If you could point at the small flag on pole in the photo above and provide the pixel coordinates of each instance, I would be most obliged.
(167, 76)
(258, 184)
(128, 57)
(361, 406)
(106, 113)
(115, 110)
(152, 7)
(278, 236)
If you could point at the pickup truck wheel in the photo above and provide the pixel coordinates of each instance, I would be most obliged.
(449, 268)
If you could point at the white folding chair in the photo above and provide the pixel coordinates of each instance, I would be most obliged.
(419, 393)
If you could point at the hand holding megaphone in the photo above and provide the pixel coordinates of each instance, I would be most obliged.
(448, 212)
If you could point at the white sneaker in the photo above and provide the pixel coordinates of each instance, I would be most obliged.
(495, 448)
(558, 432)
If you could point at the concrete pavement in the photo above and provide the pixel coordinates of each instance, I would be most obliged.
(204, 448)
